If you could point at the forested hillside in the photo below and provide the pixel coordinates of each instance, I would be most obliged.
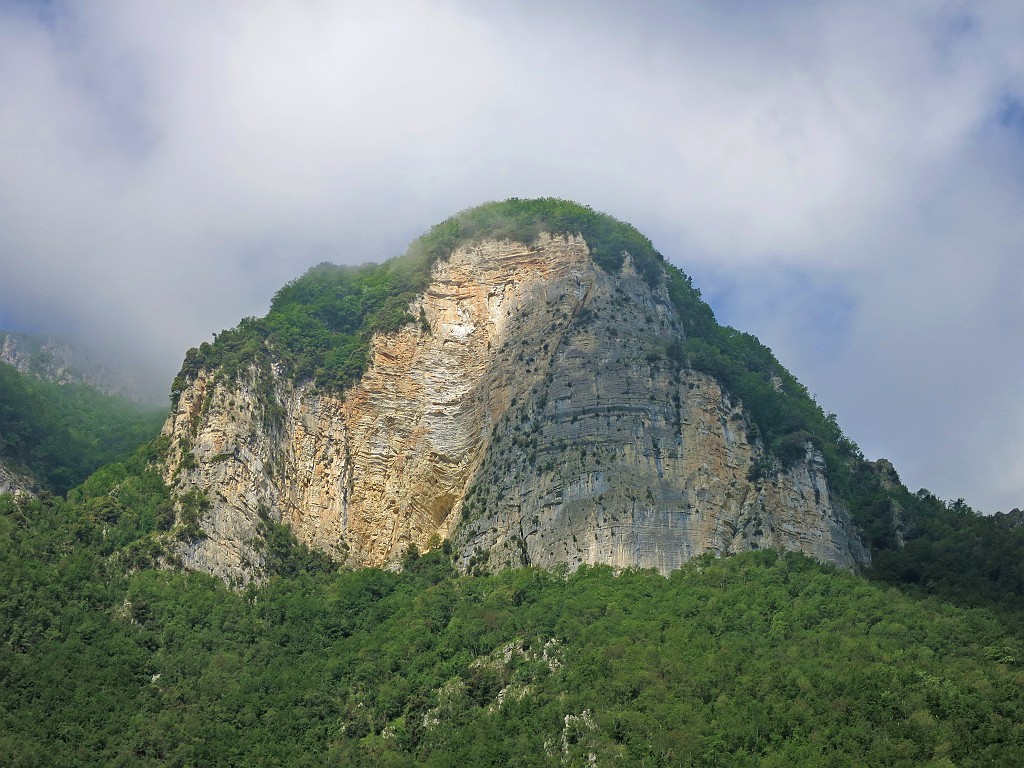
(760, 659)
(60, 433)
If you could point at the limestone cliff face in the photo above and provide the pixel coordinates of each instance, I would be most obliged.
(532, 418)
(15, 482)
(615, 456)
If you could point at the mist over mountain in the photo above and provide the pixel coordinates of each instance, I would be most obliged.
(841, 180)
(62, 416)
(59, 362)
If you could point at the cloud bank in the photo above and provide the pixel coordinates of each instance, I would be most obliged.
(845, 180)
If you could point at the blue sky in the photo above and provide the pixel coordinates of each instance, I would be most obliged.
(845, 180)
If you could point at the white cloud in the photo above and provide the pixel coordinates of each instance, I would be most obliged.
(164, 168)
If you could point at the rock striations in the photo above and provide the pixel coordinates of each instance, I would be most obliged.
(531, 416)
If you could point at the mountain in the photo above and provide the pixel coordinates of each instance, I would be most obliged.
(58, 362)
(54, 434)
(531, 381)
(432, 370)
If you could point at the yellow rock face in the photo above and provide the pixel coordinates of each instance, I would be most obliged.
(536, 421)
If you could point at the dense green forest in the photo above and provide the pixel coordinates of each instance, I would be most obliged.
(60, 433)
(759, 659)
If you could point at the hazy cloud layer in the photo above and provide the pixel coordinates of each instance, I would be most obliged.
(845, 180)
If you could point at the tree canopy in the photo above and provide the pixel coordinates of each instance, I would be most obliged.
(759, 659)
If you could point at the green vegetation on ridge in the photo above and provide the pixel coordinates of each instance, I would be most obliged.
(523, 220)
(320, 325)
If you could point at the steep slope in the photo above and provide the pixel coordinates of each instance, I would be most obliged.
(52, 436)
(54, 361)
(533, 399)
(615, 454)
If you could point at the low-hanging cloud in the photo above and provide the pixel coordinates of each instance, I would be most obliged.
(845, 180)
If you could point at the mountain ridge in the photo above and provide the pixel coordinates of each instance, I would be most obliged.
(295, 373)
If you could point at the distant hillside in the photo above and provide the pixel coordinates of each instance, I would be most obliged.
(58, 434)
(51, 360)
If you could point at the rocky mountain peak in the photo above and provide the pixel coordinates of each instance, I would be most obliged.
(531, 381)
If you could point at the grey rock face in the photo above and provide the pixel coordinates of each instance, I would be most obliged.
(15, 482)
(615, 456)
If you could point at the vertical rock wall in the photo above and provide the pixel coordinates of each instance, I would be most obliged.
(618, 457)
(387, 466)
